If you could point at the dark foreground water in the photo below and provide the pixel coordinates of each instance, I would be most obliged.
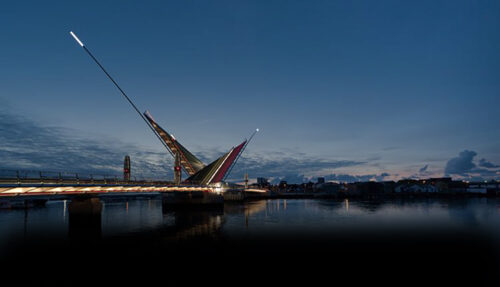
(140, 242)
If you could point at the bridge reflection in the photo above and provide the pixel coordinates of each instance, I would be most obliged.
(148, 241)
(91, 219)
(84, 219)
(193, 222)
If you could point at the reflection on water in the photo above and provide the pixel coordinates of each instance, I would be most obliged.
(445, 236)
(194, 223)
(132, 217)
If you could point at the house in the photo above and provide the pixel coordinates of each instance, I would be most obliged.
(415, 188)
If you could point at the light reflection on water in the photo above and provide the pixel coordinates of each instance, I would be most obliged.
(255, 218)
(330, 215)
(425, 237)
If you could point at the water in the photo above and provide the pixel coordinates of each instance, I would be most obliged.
(438, 237)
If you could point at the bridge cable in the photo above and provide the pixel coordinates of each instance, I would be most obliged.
(123, 93)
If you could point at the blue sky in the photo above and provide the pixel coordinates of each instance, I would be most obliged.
(354, 88)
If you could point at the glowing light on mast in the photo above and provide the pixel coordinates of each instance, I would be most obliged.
(76, 38)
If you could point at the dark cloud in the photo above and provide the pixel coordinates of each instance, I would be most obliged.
(390, 148)
(462, 164)
(487, 164)
(423, 169)
(26, 144)
(285, 166)
(422, 172)
(464, 167)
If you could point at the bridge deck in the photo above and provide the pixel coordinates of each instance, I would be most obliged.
(57, 190)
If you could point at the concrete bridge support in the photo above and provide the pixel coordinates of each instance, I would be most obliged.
(191, 198)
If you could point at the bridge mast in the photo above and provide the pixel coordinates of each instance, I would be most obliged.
(177, 169)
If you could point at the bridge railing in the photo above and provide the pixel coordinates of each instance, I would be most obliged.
(11, 176)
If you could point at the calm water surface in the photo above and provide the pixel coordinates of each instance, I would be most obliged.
(265, 217)
(456, 241)
(260, 217)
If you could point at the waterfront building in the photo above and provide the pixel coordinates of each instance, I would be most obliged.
(416, 188)
(327, 187)
(389, 186)
(282, 185)
(457, 186)
(262, 181)
(366, 188)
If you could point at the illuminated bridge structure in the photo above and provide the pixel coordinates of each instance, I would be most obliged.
(204, 184)
(198, 172)
(23, 192)
(59, 191)
(21, 188)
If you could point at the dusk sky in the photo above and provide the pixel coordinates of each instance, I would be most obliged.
(350, 90)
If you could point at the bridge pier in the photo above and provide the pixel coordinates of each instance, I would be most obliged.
(85, 218)
(192, 198)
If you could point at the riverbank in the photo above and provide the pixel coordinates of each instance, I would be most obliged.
(316, 195)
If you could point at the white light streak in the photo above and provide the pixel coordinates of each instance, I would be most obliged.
(76, 38)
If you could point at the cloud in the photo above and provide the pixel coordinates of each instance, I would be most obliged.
(487, 164)
(464, 167)
(422, 173)
(391, 148)
(292, 178)
(29, 145)
(26, 144)
(462, 164)
(286, 166)
(423, 169)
